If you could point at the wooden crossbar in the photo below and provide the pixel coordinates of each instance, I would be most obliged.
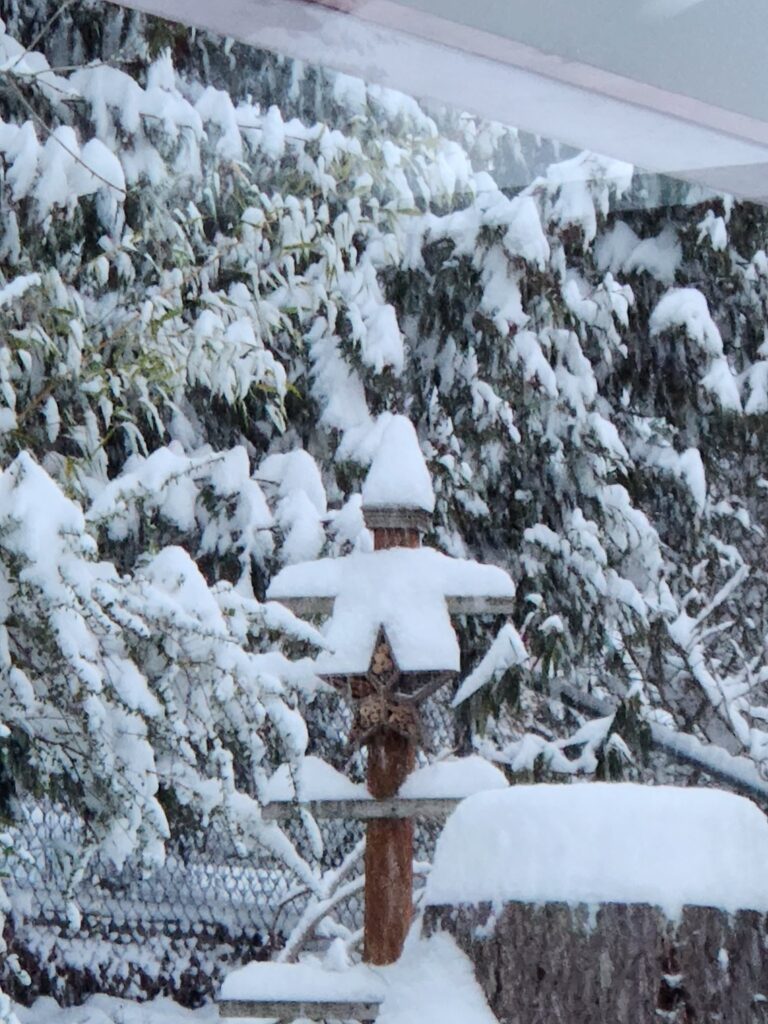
(456, 605)
(364, 810)
(285, 1011)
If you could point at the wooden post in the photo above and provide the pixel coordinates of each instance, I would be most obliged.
(388, 692)
(389, 841)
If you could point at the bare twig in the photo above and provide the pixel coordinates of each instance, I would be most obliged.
(40, 35)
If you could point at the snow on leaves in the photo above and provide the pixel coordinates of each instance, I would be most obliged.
(125, 686)
(202, 289)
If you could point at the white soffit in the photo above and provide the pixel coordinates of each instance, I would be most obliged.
(681, 54)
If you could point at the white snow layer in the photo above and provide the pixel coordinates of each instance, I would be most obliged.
(506, 651)
(432, 983)
(301, 506)
(398, 476)
(307, 982)
(402, 589)
(687, 307)
(101, 1009)
(455, 777)
(313, 779)
(452, 778)
(621, 250)
(604, 843)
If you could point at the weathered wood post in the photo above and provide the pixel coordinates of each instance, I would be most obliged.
(391, 758)
(391, 645)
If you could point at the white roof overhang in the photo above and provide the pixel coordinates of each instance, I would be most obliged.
(457, 60)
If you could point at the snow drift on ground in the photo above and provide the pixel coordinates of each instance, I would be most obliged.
(432, 983)
(106, 1010)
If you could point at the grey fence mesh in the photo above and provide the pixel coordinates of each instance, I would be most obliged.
(175, 928)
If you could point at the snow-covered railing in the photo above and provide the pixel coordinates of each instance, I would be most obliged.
(367, 810)
(475, 605)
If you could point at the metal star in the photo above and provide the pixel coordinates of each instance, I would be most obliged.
(386, 698)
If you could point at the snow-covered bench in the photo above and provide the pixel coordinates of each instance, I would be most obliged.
(286, 992)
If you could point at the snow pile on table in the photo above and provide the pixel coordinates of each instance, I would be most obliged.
(402, 589)
(432, 983)
(604, 843)
(310, 982)
(398, 477)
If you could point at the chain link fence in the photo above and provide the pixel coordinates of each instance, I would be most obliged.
(176, 928)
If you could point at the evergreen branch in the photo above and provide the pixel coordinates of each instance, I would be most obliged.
(43, 31)
(52, 135)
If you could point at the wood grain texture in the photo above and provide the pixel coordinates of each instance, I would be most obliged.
(388, 854)
(289, 1010)
(613, 963)
(323, 606)
(364, 810)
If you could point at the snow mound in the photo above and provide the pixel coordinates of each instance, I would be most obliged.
(315, 779)
(455, 777)
(604, 843)
(402, 589)
(398, 477)
(433, 982)
(305, 982)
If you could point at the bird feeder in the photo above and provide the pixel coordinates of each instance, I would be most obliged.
(390, 646)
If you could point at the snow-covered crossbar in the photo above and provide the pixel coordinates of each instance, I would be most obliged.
(430, 792)
(287, 992)
(284, 1011)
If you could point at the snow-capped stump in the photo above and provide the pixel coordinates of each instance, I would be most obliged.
(608, 903)
(390, 646)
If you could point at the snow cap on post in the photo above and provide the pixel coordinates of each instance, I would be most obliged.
(397, 493)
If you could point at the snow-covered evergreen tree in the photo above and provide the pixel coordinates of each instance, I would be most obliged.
(221, 272)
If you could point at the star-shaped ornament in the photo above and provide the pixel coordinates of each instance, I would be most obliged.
(386, 699)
